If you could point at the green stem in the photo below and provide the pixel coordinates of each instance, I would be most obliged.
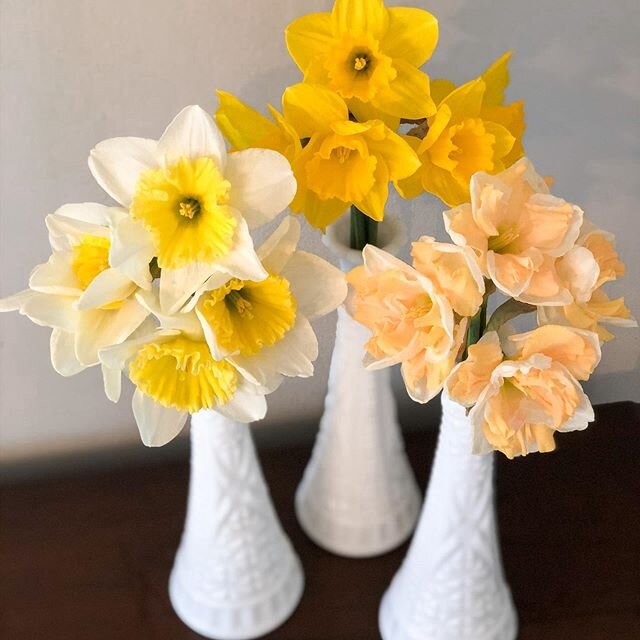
(364, 230)
(477, 325)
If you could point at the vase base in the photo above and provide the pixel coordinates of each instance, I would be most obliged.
(256, 617)
(361, 539)
(393, 628)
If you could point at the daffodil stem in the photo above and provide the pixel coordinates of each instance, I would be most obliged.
(364, 230)
(477, 325)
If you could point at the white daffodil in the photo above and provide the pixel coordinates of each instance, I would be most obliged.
(78, 293)
(263, 327)
(232, 345)
(191, 204)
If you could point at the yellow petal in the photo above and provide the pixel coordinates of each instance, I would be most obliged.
(374, 202)
(319, 213)
(444, 185)
(308, 37)
(397, 153)
(364, 111)
(466, 101)
(441, 88)
(496, 78)
(312, 109)
(241, 125)
(359, 17)
(412, 35)
(511, 117)
(411, 187)
(504, 141)
(408, 95)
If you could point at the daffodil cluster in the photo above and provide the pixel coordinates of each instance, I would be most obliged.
(518, 240)
(341, 127)
(167, 285)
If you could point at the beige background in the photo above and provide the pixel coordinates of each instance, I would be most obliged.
(76, 71)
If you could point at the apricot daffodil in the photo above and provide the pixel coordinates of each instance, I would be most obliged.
(518, 230)
(590, 264)
(370, 56)
(472, 130)
(518, 402)
(410, 319)
(194, 204)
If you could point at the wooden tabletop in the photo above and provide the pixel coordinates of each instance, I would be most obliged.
(87, 557)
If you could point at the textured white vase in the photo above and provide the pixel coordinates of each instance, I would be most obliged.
(358, 496)
(451, 585)
(236, 575)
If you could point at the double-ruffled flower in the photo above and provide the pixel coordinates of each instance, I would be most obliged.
(412, 315)
(370, 56)
(472, 130)
(518, 230)
(521, 399)
(589, 265)
(78, 292)
(191, 206)
(232, 344)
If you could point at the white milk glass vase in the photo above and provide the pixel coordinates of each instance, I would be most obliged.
(451, 585)
(358, 496)
(236, 575)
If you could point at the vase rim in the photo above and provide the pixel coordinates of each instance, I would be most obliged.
(392, 236)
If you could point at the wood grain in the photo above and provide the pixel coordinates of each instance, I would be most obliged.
(88, 557)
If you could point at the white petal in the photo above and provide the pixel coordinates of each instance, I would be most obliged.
(178, 285)
(186, 323)
(158, 425)
(247, 404)
(132, 249)
(56, 276)
(112, 381)
(318, 286)
(63, 355)
(66, 232)
(293, 356)
(276, 250)
(16, 301)
(57, 312)
(262, 184)
(90, 212)
(99, 328)
(193, 134)
(118, 355)
(218, 352)
(108, 286)
(242, 262)
(116, 164)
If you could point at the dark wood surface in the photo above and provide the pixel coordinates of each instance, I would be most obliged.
(87, 557)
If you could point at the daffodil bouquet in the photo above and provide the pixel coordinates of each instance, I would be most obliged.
(366, 116)
(514, 239)
(167, 285)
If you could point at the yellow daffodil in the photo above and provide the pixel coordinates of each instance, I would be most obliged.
(472, 130)
(589, 265)
(87, 302)
(343, 162)
(410, 319)
(232, 344)
(190, 205)
(370, 56)
(519, 402)
(518, 230)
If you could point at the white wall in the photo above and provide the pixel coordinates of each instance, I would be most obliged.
(76, 71)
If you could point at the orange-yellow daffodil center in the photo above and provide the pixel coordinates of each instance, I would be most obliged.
(185, 207)
(247, 316)
(357, 69)
(183, 375)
